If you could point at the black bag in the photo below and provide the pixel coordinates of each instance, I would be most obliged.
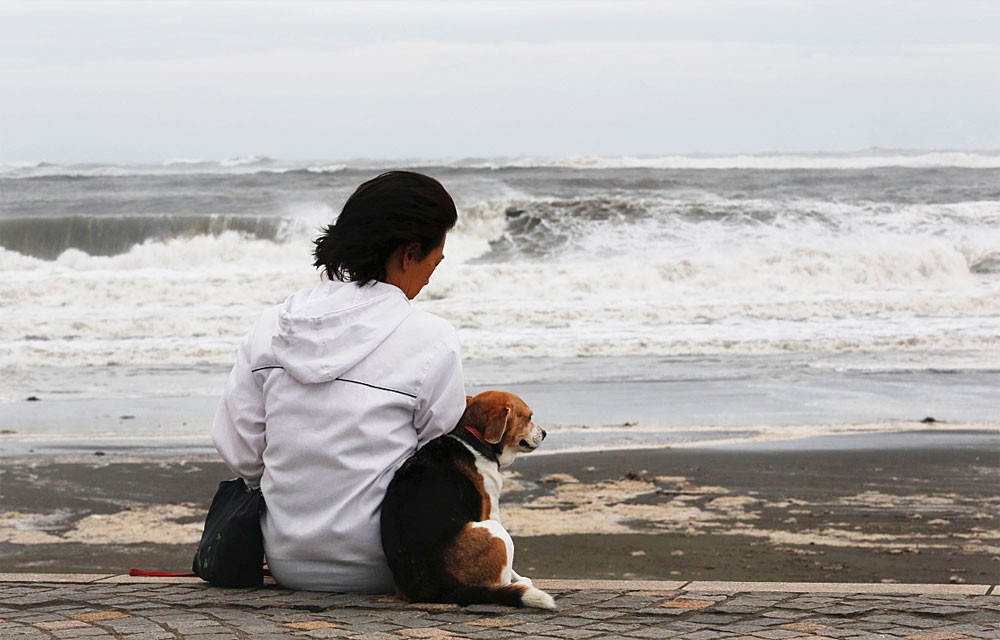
(231, 551)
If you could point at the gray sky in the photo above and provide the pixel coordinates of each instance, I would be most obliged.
(152, 81)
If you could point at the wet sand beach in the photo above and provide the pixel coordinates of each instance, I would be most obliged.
(905, 507)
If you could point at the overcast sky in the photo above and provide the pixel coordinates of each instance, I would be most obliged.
(152, 81)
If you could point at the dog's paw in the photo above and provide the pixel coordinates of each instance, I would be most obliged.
(522, 580)
(537, 598)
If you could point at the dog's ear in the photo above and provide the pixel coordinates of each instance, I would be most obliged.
(496, 423)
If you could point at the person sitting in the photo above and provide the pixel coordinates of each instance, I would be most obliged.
(335, 388)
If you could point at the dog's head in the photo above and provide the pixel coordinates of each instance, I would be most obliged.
(504, 421)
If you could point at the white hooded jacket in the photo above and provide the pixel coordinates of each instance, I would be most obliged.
(331, 392)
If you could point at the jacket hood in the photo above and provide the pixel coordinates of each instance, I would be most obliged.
(327, 330)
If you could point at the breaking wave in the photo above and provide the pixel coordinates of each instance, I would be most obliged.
(172, 269)
(242, 165)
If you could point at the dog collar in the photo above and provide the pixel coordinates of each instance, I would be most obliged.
(490, 451)
(475, 432)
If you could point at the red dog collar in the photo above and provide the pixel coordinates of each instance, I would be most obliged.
(475, 432)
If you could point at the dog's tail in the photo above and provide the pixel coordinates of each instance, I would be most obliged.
(514, 595)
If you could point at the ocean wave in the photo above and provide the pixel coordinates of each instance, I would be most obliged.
(327, 168)
(750, 272)
(706, 228)
(242, 165)
(871, 159)
(697, 242)
(185, 301)
(171, 271)
(49, 237)
(157, 317)
(184, 162)
(172, 167)
(245, 161)
(988, 263)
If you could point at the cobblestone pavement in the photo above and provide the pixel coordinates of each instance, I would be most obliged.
(118, 607)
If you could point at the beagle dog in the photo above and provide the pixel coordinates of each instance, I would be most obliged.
(441, 529)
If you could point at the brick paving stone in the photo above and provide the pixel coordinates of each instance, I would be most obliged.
(652, 632)
(835, 634)
(985, 617)
(973, 630)
(451, 618)
(687, 603)
(714, 619)
(746, 627)
(844, 610)
(869, 626)
(486, 608)
(55, 625)
(903, 620)
(926, 608)
(577, 634)
(777, 634)
(629, 602)
(785, 614)
(534, 628)
(426, 632)
(36, 616)
(704, 635)
(598, 615)
(24, 633)
(582, 598)
(735, 609)
(665, 612)
(614, 627)
(643, 620)
(193, 611)
(492, 634)
(567, 620)
(493, 623)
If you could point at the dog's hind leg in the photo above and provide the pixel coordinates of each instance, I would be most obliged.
(507, 574)
(530, 596)
(481, 559)
(481, 554)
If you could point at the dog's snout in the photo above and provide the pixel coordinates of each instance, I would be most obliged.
(543, 434)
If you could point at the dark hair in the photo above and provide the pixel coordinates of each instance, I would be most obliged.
(383, 214)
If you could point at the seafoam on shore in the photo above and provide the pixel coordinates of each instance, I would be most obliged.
(917, 506)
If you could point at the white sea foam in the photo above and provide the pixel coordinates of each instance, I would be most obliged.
(242, 161)
(240, 165)
(847, 160)
(187, 301)
(327, 168)
(556, 270)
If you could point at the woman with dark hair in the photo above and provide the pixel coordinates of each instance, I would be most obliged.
(335, 388)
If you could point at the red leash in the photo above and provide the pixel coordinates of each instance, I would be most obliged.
(160, 574)
(170, 574)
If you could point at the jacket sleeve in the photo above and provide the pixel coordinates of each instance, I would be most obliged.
(238, 429)
(441, 401)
